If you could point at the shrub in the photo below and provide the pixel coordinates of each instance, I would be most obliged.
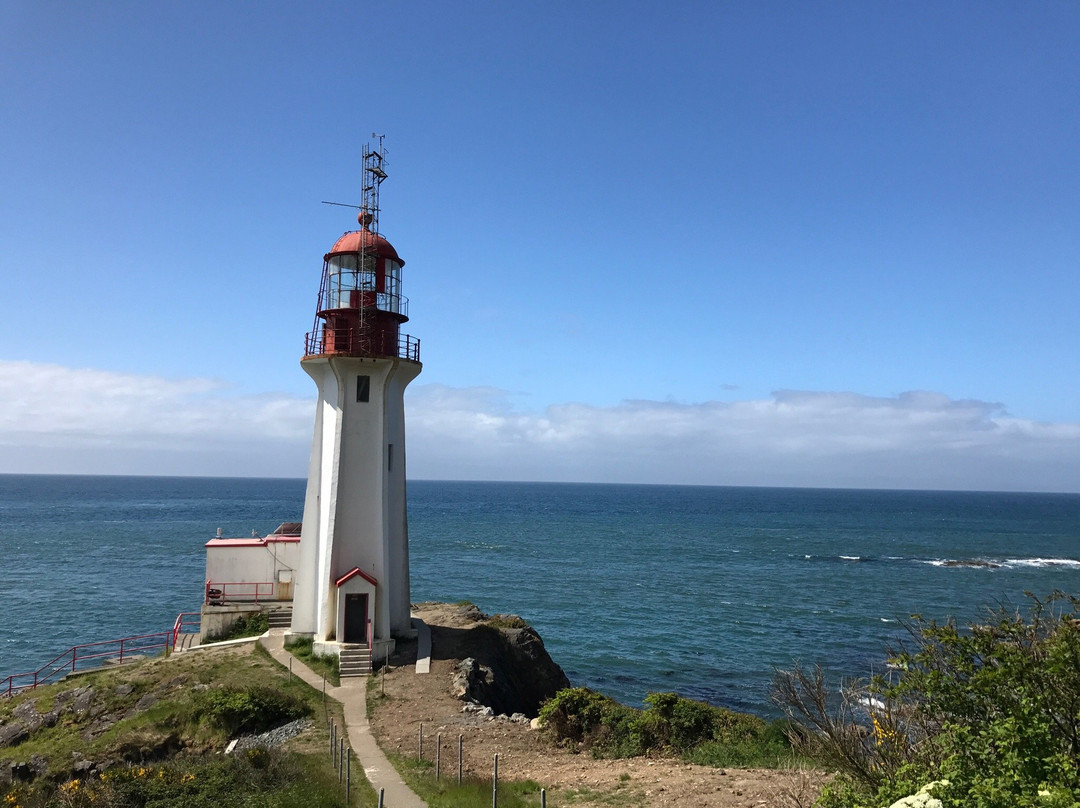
(671, 725)
(248, 625)
(994, 710)
(249, 710)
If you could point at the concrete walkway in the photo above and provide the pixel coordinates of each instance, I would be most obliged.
(353, 698)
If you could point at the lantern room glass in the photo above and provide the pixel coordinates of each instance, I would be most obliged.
(346, 273)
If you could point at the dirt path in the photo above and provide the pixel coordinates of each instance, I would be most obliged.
(412, 699)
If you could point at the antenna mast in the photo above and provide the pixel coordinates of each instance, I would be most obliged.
(375, 163)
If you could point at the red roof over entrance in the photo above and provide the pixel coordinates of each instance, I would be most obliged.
(352, 574)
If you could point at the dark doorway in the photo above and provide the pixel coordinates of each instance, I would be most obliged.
(356, 618)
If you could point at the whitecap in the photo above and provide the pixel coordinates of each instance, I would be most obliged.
(872, 703)
(1071, 563)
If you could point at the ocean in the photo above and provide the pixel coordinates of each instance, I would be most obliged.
(699, 590)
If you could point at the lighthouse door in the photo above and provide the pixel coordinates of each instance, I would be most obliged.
(356, 618)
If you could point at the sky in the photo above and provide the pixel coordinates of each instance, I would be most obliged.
(721, 243)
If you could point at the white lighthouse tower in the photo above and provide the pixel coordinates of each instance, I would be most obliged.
(352, 581)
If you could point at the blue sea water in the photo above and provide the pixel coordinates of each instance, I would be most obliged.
(700, 590)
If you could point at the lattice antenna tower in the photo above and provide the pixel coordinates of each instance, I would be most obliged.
(375, 164)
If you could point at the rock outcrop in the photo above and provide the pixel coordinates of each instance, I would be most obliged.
(504, 664)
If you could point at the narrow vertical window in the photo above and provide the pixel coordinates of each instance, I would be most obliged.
(363, 388)
(389, 457)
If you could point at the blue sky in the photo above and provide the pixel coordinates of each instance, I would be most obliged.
(734, 243)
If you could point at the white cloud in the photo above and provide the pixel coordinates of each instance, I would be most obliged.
(58, 419)
(913, 440)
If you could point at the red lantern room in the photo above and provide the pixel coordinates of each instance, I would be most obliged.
(361, 307)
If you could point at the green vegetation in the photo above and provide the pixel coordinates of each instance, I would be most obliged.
(473, 792)
(249, 625)
(987, 717)
(152, 733)
(265, 777)
(253, 709)
(699, 733)
(506, 621)
(324, 664)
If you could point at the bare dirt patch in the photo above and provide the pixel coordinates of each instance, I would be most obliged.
(524, 753)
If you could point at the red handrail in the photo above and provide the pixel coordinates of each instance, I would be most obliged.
(68, 661)
(218, 593)
(180, 625)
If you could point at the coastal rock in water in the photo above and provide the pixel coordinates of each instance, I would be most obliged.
(978, 563)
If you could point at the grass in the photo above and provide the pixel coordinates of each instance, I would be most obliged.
(324, 664)
(169, 754)
(445, 792)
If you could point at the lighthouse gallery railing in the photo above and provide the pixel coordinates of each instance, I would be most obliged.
(350, 341)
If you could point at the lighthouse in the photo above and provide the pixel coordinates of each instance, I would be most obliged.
(352, 579)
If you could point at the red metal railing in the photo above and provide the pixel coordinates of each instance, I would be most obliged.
(181, 624)
(87, 655)
(348, 341)
(220, 593)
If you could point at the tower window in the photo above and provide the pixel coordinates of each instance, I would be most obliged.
(363, 388)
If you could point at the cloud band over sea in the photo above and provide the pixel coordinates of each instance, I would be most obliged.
(56, 419)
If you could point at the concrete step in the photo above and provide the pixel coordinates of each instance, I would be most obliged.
(355, 660)
(280, 618)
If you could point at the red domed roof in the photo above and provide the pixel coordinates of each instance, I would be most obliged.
(356, 240)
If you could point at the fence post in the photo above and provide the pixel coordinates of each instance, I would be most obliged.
(341, 754)
(438, 755)
(382, 792)
(121, 655)
(543, 798)
(495, 784)
(333, 743)
(460, 739)
(420, 742)
(348, 775)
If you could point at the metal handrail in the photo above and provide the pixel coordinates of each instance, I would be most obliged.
(217, 592)
(180, 624)
(352, 342)
(68, 661)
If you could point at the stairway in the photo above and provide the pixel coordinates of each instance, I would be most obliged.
(355, 660)
(280, 618)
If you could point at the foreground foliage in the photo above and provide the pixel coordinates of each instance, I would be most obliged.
(990, 714)
(265, 777)
(698, 732)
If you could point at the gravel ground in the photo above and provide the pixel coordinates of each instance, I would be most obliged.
(274, 737)
(412, 700)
